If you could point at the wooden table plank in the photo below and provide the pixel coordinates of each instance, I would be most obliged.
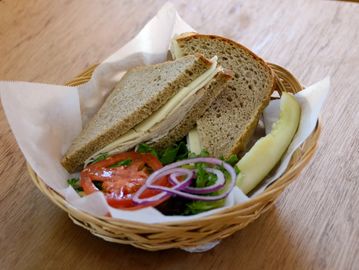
(315, 222)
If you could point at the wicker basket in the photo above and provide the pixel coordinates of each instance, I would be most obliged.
(189, 233)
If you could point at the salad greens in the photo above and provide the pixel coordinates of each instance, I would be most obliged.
(177, 152)
(75, 183)
(204, 153)
(145, 148)
(169, 155)
(232, 160)
(203, 178)
(196, 207)
(99, 157)
(173, 153)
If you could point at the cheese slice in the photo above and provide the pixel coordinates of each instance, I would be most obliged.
(194, 142)
(142, 131)
(175, 49)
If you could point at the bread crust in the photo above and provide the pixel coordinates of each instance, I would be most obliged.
(83, 147)
(242, 140)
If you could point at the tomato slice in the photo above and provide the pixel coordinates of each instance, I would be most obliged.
(120, 183)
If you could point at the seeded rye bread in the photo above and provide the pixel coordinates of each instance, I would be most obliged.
(140, 92)
(209, 93)
(226, 127)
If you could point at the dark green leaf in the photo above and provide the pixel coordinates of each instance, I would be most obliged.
(232, 160)
(75, 183)
(201, 175)
(204, 153)
(196, 207)
(169, 155)
(192, 155)
(174, 153)
(125, 162)
(204, 178)
(145, 148)
(237, 169)
(99, 157)
(182, 151)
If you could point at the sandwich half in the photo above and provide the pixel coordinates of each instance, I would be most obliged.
(153, 104)
(227, 125)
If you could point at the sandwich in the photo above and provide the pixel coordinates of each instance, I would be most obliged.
(156, 104)
(228, 124)
(133, 149)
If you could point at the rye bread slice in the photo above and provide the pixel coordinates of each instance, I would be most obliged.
(180, 121)
(140, 92)
(208, 94)
(227, 125)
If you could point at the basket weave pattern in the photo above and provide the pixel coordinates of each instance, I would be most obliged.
(196, 232)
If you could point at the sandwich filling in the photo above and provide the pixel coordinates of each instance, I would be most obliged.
(164, 119)
(176, 49)
(194, 141)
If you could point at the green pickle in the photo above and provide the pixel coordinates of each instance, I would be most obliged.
(267, 151)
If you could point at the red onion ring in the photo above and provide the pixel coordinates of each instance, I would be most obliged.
(175, 170)
(215, 187)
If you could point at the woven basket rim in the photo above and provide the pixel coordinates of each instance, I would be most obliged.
(276, 187)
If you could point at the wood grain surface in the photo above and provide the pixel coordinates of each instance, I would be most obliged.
(315, 224)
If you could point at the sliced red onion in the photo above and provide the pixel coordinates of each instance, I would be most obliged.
(175, 170)
(184, 183)
(180, 184)
(205, 190)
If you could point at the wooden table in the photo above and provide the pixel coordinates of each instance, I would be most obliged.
(315, 224)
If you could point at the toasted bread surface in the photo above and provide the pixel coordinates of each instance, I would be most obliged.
(208, 94)
(227, 125)
(139, 93)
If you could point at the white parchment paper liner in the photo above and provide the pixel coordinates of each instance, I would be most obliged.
(46, 118)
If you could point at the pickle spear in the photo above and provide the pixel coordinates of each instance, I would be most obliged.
(267, 151)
